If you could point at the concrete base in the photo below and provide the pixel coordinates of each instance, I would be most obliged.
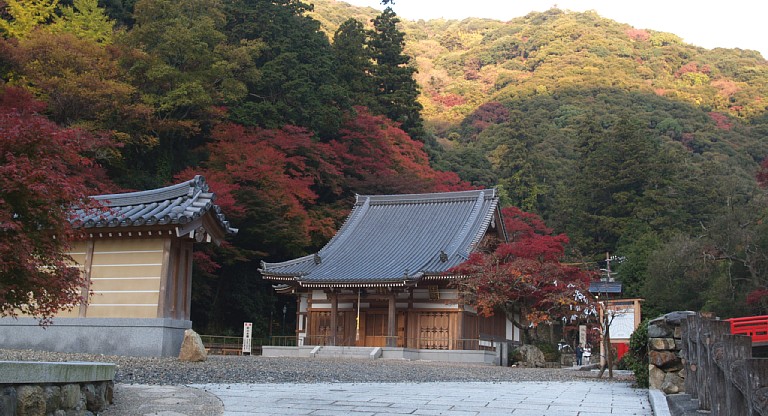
(109, 336)
(455, 356)
(26, 372)
(683, 405)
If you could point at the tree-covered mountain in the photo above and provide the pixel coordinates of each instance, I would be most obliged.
(628, 140)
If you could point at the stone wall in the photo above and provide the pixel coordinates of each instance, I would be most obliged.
(666, 372)
(55, 399)
(55, 389)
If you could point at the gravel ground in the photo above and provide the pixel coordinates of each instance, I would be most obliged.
(257, 369)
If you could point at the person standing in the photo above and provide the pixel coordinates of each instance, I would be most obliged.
(579, 354)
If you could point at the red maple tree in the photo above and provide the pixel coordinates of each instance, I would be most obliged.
(45, 178)
(524, 278)
(377, 157)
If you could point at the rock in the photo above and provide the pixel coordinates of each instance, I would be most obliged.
(192, 348)
(530, 356)
(95, 400)
(52, 397)
(664, 359)
(672, 384)
(658, 328)
(30, 401)
(70, 396)
(661, 344)
(655, 377)
(675, 318)
(8, 401)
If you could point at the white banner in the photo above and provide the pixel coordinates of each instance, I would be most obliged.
(247, 334)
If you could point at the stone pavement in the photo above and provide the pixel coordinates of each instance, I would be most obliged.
(573, 398)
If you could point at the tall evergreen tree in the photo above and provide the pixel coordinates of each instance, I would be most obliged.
(354, 61)
(298, 82)
(396, 90)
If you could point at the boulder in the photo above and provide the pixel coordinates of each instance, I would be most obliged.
(31, 401)
(529, 356)
(661, 344)
(664, 359)
(8, 401)
(672, 384)
(655, 377)
(192, 348)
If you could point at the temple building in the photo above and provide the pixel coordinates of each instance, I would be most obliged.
(384, 279)
(136, 256)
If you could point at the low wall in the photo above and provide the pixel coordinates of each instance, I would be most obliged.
(110, 336)
(456, 356)
(40, 388)
(665, 368)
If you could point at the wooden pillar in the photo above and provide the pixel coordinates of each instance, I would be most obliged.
(334, 316)
(392, 320)
(739, 349)
(86, 290)
(458, 342)
(716, 356)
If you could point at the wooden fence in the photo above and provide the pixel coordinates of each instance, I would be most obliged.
(721, 372)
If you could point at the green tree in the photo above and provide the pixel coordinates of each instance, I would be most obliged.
(354, 61)
(25, 15)
(86, 20)
(184, 68)
(396, 90)
(298, 83)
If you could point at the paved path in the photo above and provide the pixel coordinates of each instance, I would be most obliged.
(576, 398)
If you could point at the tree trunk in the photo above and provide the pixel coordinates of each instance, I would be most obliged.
(608, 361)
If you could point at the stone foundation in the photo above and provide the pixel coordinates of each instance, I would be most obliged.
(665, 367)
(56, 389)
(160, 337)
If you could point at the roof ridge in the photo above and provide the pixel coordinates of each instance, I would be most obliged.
(453, 246)
(188, 188)
(352, 220)
(429, 197)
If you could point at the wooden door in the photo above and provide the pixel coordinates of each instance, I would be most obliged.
(434, 330)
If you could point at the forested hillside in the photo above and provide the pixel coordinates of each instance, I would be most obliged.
(627, 140)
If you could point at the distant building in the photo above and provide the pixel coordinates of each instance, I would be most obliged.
(137, 258)
(382, 279)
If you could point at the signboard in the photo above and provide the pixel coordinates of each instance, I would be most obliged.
(623, 323)
(583, 335)
(247, 335)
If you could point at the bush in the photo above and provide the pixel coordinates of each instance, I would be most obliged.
(636, 359)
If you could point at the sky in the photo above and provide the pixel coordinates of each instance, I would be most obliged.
(730, 24)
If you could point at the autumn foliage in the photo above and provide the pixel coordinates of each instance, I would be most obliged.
(524, 277)
(45, 177)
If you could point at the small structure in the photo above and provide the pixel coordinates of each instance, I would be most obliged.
(382, 279)
(625, 313)
(137, 260)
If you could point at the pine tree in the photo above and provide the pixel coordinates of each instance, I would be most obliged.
(396, 91)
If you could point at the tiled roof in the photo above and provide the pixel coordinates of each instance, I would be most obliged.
(182, 204)
(605, 287)
(394, 239)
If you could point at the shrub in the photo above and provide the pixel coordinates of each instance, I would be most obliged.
(636, 359)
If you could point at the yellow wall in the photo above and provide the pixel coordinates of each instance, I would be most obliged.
(125, 277)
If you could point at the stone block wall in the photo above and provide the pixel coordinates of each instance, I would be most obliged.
(666, 371)
(71, 399)
(55, 389)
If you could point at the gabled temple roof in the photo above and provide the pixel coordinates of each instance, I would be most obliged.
(184, 204)
(396, 239)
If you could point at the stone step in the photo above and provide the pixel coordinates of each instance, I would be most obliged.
(346, 352)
